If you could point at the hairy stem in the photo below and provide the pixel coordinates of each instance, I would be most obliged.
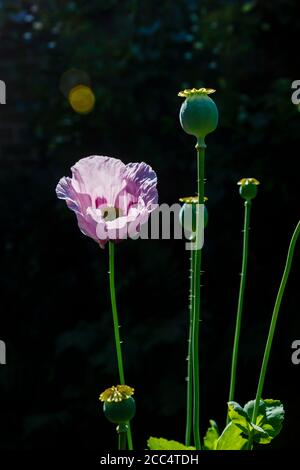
(200, 147)
(240, 302)
(189, 403)
(116, 325)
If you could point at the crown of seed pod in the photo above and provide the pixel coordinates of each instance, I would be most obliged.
(198, 113)
(118, 403)
(248, 188)
(188, 213)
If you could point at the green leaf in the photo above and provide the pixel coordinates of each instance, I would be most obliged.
(211, 436)
(249, 407)
(239, 417)
(269, 419)
(260, 434)
(159, 443)
(231, 438)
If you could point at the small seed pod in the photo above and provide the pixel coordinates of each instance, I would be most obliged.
(118, 404)
(120, 412)
(198, 113)
(248, 188)
(188, 214)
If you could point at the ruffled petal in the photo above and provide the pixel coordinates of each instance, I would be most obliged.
(64, 190)
(142, 181)
(77, 202)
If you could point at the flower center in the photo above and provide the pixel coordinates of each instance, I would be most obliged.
(110, 213)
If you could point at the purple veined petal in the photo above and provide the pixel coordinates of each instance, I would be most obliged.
(100, 177)
(77, 202)
(142, 181)
(64, 190)
(150, 207)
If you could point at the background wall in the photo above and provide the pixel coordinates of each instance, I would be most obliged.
(55, 312)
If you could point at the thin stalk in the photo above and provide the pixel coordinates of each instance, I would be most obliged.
(122, 441)
(189, 402)
(280, 293)
(240, 302)
(116, 325)
(200, 147)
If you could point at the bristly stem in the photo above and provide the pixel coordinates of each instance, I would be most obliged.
(240, 302)
(280, 293)
(189, 401)
(116, 325)
(200, 147)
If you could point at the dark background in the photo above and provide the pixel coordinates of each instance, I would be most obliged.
(55, 311)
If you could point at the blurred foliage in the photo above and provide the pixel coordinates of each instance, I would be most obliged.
(55, 305)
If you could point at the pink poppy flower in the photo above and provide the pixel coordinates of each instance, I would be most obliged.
(111, 200)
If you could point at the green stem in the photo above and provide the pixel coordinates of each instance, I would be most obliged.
(189, 403)
(280, 293)
(116, 325)
(122, 441)
(240, 302)
(200, 147)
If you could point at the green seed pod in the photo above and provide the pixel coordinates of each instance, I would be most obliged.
(198, 113)
(248, 188)
(188, 214)
(119, 405)
(120, 412)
